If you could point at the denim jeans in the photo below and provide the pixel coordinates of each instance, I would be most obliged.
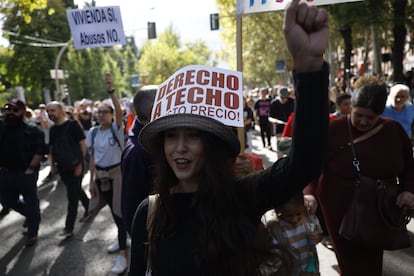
(74, 193)
(14, 183)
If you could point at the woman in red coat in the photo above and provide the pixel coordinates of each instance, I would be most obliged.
(384, 155)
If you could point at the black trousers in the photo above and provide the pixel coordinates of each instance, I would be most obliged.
(119, 222)
(74, 194)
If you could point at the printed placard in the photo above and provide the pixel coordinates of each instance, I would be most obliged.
(96, 27)
(202, 90)
(255, 6)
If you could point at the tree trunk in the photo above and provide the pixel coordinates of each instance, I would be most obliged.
(376, 49)
(400, 33)
(346, 33)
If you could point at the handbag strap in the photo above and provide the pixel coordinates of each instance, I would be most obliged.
(152, 201)
(361, 138)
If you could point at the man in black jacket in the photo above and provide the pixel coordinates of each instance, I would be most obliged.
(22, 147)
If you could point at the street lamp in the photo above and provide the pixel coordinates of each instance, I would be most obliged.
(58, 58)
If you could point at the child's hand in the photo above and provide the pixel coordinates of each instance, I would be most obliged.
(315, 237)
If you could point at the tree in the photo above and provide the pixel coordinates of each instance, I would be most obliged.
(87, 67)
(26, 7)
(30, 64)
(400, 33)
(162, 58)
(262, 44)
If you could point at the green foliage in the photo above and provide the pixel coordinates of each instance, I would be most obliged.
(265, 39)
(29, 66)
(162, 58)
(262, 44)
(26, 7)
(87, 69)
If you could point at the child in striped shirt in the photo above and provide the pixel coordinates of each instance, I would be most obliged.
(293, 229)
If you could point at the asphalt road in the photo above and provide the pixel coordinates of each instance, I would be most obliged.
(85, 252)
(82, 254)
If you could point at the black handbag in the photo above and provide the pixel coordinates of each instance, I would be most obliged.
(372, 218)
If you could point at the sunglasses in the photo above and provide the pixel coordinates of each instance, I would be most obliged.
(11, 108)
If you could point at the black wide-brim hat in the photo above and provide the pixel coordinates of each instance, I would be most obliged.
(149, 136)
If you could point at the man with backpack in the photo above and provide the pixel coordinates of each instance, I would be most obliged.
(68, 149)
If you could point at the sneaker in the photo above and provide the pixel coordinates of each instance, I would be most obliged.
(49, 178)
(30, 240)
(326, 241)
(86, 217)
(65, 233)
(113, 247)
(120, 265)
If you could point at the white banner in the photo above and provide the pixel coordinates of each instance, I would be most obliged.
(96, 27)
(255, 6)
(202, 90)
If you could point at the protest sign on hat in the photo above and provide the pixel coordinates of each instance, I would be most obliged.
(206, 98)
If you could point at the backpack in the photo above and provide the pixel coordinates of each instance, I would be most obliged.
(153, 202)
(66, 151)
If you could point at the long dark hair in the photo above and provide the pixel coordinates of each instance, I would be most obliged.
(226, 237)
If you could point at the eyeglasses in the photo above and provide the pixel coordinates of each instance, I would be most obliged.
(100, 112)
(11, 108)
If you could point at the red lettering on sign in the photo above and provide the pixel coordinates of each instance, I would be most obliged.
(179, 97)
(217, 79)
(202, 77)
(169, 99)
(170, 86)
(231, 100)
(195, 95)
(157, 111)
(189, 78)
(213, 97)
(232, 82)
(161, 92)
(179, 80)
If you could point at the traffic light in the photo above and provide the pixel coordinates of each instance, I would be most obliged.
(152, 32)
(214, 21)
